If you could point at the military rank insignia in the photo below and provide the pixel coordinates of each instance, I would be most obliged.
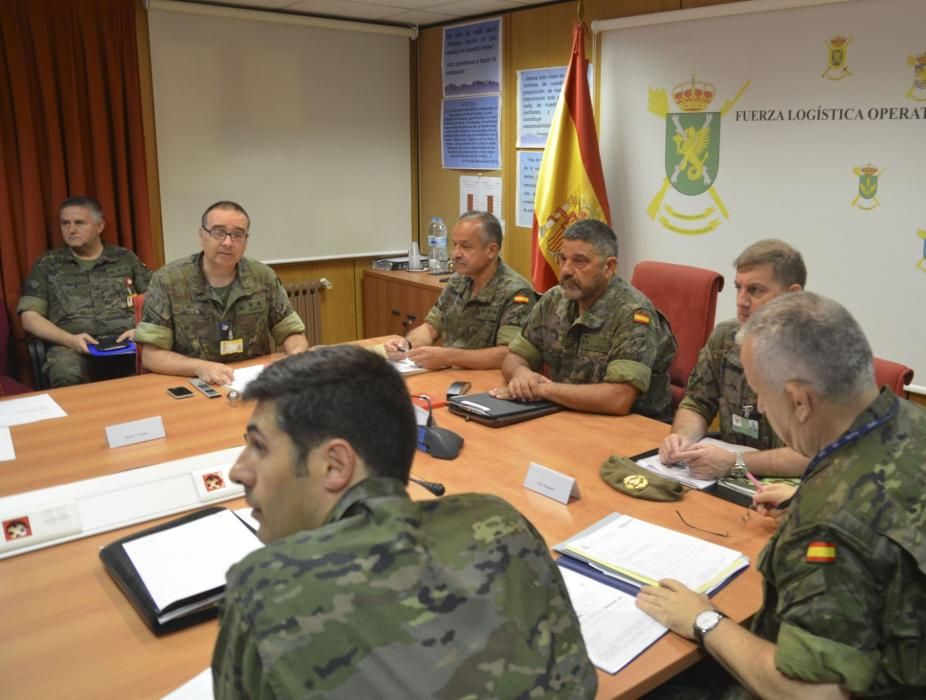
(820, 552)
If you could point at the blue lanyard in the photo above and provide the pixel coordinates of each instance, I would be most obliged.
(850, 437)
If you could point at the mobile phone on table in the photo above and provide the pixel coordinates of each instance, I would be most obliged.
(180, 392)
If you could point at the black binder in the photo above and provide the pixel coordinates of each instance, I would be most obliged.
(485, 409)
(183, 613)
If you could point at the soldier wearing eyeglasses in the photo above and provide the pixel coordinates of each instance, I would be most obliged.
(217, 306)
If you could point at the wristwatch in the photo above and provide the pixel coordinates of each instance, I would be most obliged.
(739, 466)
(705, 622)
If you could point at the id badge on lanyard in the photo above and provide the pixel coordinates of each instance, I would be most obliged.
(228, 344)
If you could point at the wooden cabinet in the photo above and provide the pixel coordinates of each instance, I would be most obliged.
(396, 302)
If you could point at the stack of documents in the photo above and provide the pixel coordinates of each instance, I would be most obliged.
(174, 574)
(607, 564)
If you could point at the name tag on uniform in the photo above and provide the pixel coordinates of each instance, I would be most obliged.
(231, 347)
(595, 343)
(746, 426)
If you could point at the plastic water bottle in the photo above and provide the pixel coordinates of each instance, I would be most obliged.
(437, 247)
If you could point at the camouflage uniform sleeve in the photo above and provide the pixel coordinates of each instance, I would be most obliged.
(830, 611)
(237, 669)
(34, 296)
(157, 324)
(529, 342)
(634, 349)
(703, 393)
(141, 275)
(284, 322)
(514, 315)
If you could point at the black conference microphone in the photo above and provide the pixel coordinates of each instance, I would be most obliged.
(436, 489)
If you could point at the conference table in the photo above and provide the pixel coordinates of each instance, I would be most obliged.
(68, 630)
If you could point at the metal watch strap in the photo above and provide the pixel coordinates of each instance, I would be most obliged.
(739, 465)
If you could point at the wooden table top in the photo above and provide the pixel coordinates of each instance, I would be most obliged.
(70, 632)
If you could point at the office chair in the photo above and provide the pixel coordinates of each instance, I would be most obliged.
(687, 297)
(892, 374)
(8, 385)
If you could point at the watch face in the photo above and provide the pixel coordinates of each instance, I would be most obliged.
(708, 620)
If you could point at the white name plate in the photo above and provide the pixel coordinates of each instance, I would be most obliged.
(24, 529)
(123, 434)
(214, 483)
(551, 483)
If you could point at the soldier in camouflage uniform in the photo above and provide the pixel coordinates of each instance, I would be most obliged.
(764, 271)
(74, 295)
(362, 592)
(844, 608)
(217, 306)
(481, 309)
(605, 346)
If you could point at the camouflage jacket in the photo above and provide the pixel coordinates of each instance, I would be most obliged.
(183, 313)
(718, 385)
(845, 574)
(492, 317)
(449, 598)
(95, 301)
(621, 339)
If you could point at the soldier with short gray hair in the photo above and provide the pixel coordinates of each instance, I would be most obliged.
(845, 574)
(76, 295)
(362, 592)
(480, 310)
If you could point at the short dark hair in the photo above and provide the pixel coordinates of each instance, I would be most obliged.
(491, 226)
(225, 204)
(787, 264)
(83, 201)
(597, 233)
(342, 391)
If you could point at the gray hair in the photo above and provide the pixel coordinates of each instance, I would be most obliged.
(491, 226)
(89, 203)
(808, 338)
(601, 237)
(787, 264)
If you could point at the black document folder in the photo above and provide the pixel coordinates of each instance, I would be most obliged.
(182, 613)
(485, 409)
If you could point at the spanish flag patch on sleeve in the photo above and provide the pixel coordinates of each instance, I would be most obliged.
(820, 553)
(520, 299)
(641, 317)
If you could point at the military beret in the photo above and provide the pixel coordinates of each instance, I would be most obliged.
(628, 477)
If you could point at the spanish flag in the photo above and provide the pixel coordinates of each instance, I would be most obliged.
(820, 552)
(570, 184)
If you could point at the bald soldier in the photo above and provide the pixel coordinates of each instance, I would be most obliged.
(362, 592)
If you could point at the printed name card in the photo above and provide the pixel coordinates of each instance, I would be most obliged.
(24, 529)
(551, 483)
(123, 434)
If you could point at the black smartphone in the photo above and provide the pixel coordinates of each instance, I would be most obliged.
(180, 392)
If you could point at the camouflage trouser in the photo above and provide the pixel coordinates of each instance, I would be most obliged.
(64, 367)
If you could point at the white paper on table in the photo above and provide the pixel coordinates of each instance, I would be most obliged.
(615, 630)
(30, 409)
(7, 453)
(680, 472)
(407, 366)
(192, 558)
(199, 687)
(648, 553)
(244, 376)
